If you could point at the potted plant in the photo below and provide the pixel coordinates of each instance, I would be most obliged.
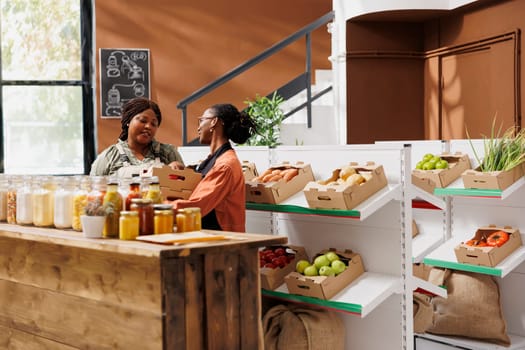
(268, 116)
(93, 218)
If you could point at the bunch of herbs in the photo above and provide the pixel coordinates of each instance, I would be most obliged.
(502, 151)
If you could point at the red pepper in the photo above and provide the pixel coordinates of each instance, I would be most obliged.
(497, 239)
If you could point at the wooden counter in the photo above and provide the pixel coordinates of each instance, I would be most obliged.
(59, 290)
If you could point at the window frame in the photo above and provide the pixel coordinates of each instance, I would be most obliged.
(86, 82)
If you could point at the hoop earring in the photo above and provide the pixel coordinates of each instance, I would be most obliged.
(211, 130)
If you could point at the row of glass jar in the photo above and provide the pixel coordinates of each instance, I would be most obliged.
(59, 201)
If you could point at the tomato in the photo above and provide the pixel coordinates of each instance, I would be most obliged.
(476, 243)
(497, 239)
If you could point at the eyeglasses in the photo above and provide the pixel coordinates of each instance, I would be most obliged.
(201, 119)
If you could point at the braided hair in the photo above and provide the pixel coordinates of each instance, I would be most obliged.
(132, 108)
(238, 126)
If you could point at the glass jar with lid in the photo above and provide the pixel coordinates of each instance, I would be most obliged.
(113, 205)
(13, 185)
(4, 185)
(64, 205)
(145, 210)
(154, 190)
(80, 201)
(128, 225)
(24, 201)
(163, 221)
(133, 192)
(44, 201)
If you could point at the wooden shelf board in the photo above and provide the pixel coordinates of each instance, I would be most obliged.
(423, 244)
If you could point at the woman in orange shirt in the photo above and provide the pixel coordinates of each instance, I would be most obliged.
(221, 193)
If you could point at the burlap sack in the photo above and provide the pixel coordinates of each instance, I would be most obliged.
(295, 327)
(423, 312)
(472, 308)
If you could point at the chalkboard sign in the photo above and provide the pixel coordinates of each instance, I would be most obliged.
(124, 74)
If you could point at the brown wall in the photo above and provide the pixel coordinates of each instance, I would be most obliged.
(394, 81)
(193, 42)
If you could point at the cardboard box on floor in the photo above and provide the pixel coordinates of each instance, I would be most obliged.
(346, 196)
(494, 180)
(488, 256)
(324, 287)
(278, 191)
(428, 180)
(249, 170)
(175, 184)
(273, 278)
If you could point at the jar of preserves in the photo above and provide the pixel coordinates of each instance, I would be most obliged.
(128, 225)
(133, 192)
(112, 203)
(24, 201)
(154, 190)
(80, 201)
(144, 207)
(196, 218)
(163, 221)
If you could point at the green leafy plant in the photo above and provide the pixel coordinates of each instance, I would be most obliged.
(268, 116)
(502, 151)
(96, 207)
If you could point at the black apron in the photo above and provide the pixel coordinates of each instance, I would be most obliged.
(209, 221)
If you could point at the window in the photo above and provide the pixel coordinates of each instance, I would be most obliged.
(46, 104)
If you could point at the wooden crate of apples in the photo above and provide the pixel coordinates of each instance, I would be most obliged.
(439, 170)
(276, 262)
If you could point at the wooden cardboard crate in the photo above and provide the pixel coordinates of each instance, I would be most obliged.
(428, 180)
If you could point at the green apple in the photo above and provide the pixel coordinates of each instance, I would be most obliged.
(311, 271)
(332, 256)
(338, 266)
(301, 265)
(326, 271)
(419, 164)
(321, 261)
(427, 157)
(429, 166)
(442, 164)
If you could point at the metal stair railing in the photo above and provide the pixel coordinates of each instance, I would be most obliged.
(294, 86)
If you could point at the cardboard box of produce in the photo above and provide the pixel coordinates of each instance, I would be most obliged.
(249, 170)
(269, 190)
(272, 278)
(175, 184)
(488, 255)
(494, 180)
(324, 287)
(428, 180)
(415, 230)
(348, 187)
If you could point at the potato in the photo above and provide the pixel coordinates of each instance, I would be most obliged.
(346, 172)
(289, 174)
(355, 179)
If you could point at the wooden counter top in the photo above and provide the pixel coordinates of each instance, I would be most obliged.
(59, 290)
(73, 238)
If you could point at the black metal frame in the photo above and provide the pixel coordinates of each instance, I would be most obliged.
(86, 44)
(301, 82)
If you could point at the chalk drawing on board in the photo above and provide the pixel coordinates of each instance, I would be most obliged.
(124, 74)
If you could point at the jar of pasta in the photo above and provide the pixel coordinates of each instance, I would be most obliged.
(80, 201)
(44, 202)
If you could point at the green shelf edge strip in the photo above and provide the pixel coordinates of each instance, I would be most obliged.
(353, 308)
(288, 208)
(463, 267)
(467, 192)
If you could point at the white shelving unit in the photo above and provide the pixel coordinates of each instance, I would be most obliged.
(468, 210)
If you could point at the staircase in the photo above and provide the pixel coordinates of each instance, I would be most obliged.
(323, 131)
